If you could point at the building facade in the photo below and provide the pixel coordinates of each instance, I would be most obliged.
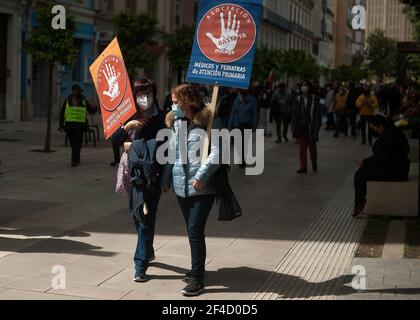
(343, 33)
(323, 32)
(388, 15)
(10, 52)
(359, 36)
(275, 25)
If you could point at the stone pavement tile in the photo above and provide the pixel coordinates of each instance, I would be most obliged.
(415, 276)
(268, 257)
(38, 285)
(140, 294)
(5, 253)
(289, 229)
(4, 280)
(18, 267)
(164, 271)
(169, 283)
(92, 292)
(119, 260)
(13, 294)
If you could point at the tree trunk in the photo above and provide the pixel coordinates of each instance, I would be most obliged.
(47, 145)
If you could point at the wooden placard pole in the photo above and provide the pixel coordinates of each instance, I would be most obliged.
(212, 109)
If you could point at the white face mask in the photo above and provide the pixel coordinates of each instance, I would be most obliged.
(305, 90)
(144, 102)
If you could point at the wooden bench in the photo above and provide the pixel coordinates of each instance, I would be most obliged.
(397, 199)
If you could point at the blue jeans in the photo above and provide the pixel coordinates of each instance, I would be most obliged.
(145, 235)
(196, 211)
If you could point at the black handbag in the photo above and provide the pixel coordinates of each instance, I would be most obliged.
(227, 205)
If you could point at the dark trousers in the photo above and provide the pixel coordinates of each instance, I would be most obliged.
(196, 211)
(243, 127)
(75, 135)
(341, 125)
(352, 121)
(330, 121)
(145, 227)
(374, 173)
(304, 144)
(364, 120)
(282, 120)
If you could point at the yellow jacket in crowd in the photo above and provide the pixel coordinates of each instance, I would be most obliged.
(340, 102)
(367, 105)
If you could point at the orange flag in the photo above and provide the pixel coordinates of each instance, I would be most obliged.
(113, 88)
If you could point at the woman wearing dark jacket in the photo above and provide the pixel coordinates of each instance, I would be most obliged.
(306, 124)
(192, 181)
(149, 121)
(389, 161)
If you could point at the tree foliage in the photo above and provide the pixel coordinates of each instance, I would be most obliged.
(293, 63)
(413, 10)
(381, 54)
(135, 31)
(46, 44)
(180, 45)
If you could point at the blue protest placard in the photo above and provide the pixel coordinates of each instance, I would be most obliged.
(225, 43)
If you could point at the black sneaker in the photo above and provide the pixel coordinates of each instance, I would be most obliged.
(193, 290)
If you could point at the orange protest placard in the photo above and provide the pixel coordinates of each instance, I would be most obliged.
(113, 88)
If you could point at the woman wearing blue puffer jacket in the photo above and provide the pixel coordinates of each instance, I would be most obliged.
(192, 181)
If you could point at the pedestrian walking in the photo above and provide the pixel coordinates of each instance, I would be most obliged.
(243, 117)
(281, 112)
(340, 111)
(192, 181)
(329, 105)
(141, 145)
(353, 94)
(73, 121)
(367, 104)
(306, 124)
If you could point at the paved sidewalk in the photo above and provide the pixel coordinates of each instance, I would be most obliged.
(54, 215)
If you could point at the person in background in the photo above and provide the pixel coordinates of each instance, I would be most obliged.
(281, 111)
(389, 162)
(329, 106)
(264, 102)
(226, 100)
(367, 105)
(192, 182)
(306, 124)
(353, 95)
(243, 116)
(73, 121)
(340, 104)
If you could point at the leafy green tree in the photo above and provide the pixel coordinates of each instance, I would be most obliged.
(381, 54)
(265, 62)
(298, 64)
(135, 32)
(180, 45)
(413, 10)
(46, 44)
(345, 73)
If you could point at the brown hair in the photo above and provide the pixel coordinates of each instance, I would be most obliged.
(189, 98)
(145, 86)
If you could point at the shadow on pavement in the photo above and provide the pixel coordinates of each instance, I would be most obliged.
(242, 280)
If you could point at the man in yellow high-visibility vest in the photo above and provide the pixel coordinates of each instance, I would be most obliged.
(73, 120)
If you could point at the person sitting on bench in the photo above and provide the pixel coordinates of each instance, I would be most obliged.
(389, 161)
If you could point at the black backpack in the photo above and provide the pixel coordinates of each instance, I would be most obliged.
(227, 205)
